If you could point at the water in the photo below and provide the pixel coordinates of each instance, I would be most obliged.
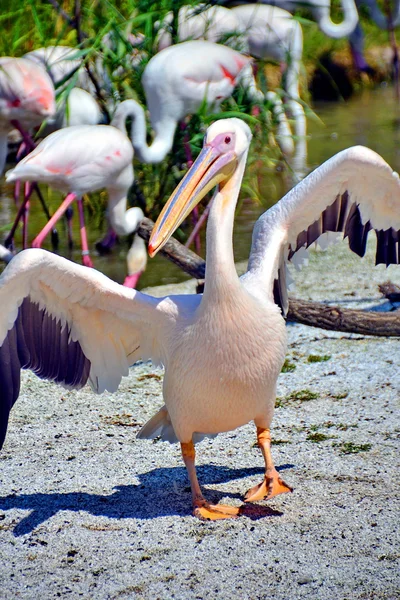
(371, 119)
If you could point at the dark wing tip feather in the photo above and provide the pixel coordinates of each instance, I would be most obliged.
(37, 341)
(344, 216)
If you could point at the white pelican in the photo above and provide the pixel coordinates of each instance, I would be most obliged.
(82, 159)
(222, 351)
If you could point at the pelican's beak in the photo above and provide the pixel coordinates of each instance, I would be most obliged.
(211, 168)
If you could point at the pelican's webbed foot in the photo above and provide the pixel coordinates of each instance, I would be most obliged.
(272, 484)
(205, 511)
(201, 508)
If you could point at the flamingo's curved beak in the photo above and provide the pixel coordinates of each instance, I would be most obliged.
(212, 167)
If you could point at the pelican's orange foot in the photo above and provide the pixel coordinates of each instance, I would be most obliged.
(271, 486)
(212, 512)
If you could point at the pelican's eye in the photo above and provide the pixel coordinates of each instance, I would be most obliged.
(227, 139)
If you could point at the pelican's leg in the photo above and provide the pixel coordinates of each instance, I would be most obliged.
(201, 508)
(272, 484)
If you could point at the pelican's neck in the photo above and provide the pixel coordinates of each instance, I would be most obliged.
(164, 137)
(221, 277)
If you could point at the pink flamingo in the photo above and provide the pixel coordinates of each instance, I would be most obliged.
(83, 159)
(27, 98)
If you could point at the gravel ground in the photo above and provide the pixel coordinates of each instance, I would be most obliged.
(86, 510)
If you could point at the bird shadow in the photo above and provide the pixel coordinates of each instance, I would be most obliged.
(160, 492)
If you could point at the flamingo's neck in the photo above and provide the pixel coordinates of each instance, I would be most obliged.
(121, 220)
(336, 30)
(164, 132)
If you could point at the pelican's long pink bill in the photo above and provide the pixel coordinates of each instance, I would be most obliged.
(211, 167)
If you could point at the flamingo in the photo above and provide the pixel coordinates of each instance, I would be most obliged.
(78, 108)
(201, 22)
(272, 33)
(176, 82)
(61, 62)
(321, 11)
(381, 20)
(27, 98)
(82, 159)
(213, 24)
(222, 351)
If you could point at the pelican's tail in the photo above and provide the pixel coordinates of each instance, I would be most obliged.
(159, 426)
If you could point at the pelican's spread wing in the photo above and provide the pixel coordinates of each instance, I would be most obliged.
(354, 192)
(71, 324)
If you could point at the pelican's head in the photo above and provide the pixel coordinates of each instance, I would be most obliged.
(225, 146)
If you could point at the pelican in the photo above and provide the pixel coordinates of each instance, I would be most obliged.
(222, 351)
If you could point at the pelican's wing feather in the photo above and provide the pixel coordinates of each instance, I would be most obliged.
(71, 324)
(354, 192)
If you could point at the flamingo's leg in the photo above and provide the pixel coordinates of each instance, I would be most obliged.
(25, 215)
(38, 241)
(201, 508)
(272, 484)
(189, 160)
(54, 232)
(28, 141)
(109, 240)
(198, 226)
(17, 189)
(68, 215)
(10, 238)
(86, 260)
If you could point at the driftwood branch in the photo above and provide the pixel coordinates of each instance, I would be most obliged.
(344, 319)
(314, 314)
(187, 260)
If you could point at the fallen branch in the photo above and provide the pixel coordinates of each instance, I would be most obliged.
(344, 319)
(314, 314)
(390, 290)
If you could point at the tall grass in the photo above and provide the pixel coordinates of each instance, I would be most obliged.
(30, 24)
(85, 25)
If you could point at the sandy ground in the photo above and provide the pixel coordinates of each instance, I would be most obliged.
(86, 510)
